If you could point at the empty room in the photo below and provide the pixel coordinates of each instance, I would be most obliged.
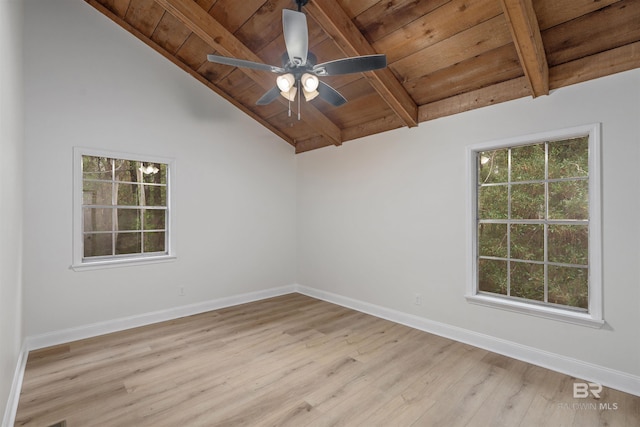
(319, 212)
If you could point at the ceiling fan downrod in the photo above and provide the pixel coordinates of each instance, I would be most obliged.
(301, 3)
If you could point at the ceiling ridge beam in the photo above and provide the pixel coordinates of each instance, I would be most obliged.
(219, 38)
(523, 23)
(337, 24)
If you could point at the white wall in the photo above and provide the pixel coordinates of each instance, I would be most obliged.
(383, 218)
(91, 84)
(378, 219)
(11, 184)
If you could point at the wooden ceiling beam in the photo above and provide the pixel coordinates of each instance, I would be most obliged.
(373, 127)
(337, 24)
(312, 144)
(224, 42)
(618, 60)
(489, 95)
(592, 67)
(523, 23)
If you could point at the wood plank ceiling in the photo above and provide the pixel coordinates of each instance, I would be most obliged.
(444, 56)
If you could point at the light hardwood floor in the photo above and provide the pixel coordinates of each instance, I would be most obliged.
(298, 361)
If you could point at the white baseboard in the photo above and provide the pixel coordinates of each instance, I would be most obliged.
(88, 331)
(8, 420)
(618, 380)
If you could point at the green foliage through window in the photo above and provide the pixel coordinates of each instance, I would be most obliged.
(533, 222)
(124, 206)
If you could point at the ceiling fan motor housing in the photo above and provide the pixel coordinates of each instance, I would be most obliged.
(299, 69)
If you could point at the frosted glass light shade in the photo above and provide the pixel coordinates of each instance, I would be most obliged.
(310, 95)
(309, 82)
(290, 94)
(285, 82)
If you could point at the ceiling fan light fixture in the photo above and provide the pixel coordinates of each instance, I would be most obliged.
(309, 82)
(290, 95)
(285, 82)
(300, 70)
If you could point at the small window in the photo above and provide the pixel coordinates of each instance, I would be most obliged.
(536, 232)
(122, 211)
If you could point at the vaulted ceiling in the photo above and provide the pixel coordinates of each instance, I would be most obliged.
(444, 56)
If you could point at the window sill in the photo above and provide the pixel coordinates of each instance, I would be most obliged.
(96, 265)
(583, 319)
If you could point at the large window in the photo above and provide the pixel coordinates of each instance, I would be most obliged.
(536, 225)
(122, 208)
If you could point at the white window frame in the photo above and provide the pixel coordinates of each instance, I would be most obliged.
(593, 317)
(79, 262)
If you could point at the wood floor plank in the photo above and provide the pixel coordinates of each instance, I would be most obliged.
(297, 361)
(508, 404)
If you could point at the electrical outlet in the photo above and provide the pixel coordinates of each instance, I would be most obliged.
(182, 291)
(417, 299)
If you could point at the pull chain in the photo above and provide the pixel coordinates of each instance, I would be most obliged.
(299, 96)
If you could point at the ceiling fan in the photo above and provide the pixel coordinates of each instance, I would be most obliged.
(299, 72)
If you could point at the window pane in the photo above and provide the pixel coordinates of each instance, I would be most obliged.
(492, 240)
(493, 202)
(527, 163)
(124, 207)
(127, 170)
(569, 286)
(493, 276)
(96, 168)
(493, 166)
(127, 194)
(128, 243)
(527, 242)
(97, 245)
(97, 219)
(569, 159)
(541, 192)
(569, 200)
(154, 173)
(129, 220)
(569, 244)
(96, 193)
(154, 195)
(154, 242)
(154, 219)
(527, 201)
(527, 280)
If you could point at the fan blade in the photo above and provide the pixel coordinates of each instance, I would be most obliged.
(357, 64)
(296, 36)
(269, 97)
(245, 64)
(330, 95)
